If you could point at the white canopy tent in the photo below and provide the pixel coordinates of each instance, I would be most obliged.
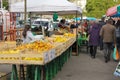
(47, 7)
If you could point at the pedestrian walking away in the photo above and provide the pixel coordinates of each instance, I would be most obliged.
(102, 22)
(94, 38)
(107, 32)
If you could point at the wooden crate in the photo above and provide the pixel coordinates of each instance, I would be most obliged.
(7, 45)
(10, 59)
(58, 48)
(32, 57)
(68, 43)
(64, 46)
(37, 58)
(72, 40)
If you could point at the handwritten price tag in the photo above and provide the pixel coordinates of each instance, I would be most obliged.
(46, 57)
(51, 54)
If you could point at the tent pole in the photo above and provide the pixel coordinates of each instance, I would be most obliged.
(76, 36)
(25, 10)
(30, 18)
(81, 16)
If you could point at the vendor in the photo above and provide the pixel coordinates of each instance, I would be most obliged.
(27, 34)
(62, 24)
(63, 27)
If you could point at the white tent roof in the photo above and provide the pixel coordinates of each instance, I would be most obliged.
(47, 7)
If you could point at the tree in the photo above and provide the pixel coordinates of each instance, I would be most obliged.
(71, 0)
(5, 4)
(98, 8)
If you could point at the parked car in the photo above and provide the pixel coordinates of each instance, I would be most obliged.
(55, 25)
(39, 23)
(18, 25)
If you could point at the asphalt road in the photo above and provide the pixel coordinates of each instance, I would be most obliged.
(83, 67)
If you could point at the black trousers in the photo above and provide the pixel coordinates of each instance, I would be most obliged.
(101, 43)
(93, 50)
(107, 50)
(118, 42)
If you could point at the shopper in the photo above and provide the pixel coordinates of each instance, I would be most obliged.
(27, 34)
(102, 22)
(107, 32)
(118, 34)
(94, 38)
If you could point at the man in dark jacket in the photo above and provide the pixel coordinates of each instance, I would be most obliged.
(101, 23)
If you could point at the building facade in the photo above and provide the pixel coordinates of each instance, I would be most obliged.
(14, 1)
(81, 3)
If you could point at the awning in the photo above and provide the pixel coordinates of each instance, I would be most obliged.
(113, 11)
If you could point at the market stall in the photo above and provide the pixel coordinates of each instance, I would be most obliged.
(47, 7)
(113, 11)
(44, 64)
(41, 55)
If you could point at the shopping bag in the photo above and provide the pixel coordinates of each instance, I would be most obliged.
(115, 54)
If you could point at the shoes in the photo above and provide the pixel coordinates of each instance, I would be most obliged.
(93, 57)
(107, 59)
(101, 48)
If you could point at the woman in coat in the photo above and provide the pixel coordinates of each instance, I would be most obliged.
(94, 38)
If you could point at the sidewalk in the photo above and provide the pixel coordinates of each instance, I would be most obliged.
(83, 67)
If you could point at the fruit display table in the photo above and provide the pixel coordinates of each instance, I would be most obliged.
(41, 63)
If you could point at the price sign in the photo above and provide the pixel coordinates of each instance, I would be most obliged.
(51, 54)
(46, 57)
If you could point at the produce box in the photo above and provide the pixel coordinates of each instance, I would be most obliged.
(10, 58)
(34, 57)
(58, 48)
(31, 57)
(71, 41)
(39, 54)
(7, 45)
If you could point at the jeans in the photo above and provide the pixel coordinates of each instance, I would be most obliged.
(107, 50)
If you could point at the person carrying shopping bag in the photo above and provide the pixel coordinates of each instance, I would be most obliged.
(107, 32)
(116, 55)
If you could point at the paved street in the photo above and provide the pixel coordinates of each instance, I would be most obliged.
(83, 67)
